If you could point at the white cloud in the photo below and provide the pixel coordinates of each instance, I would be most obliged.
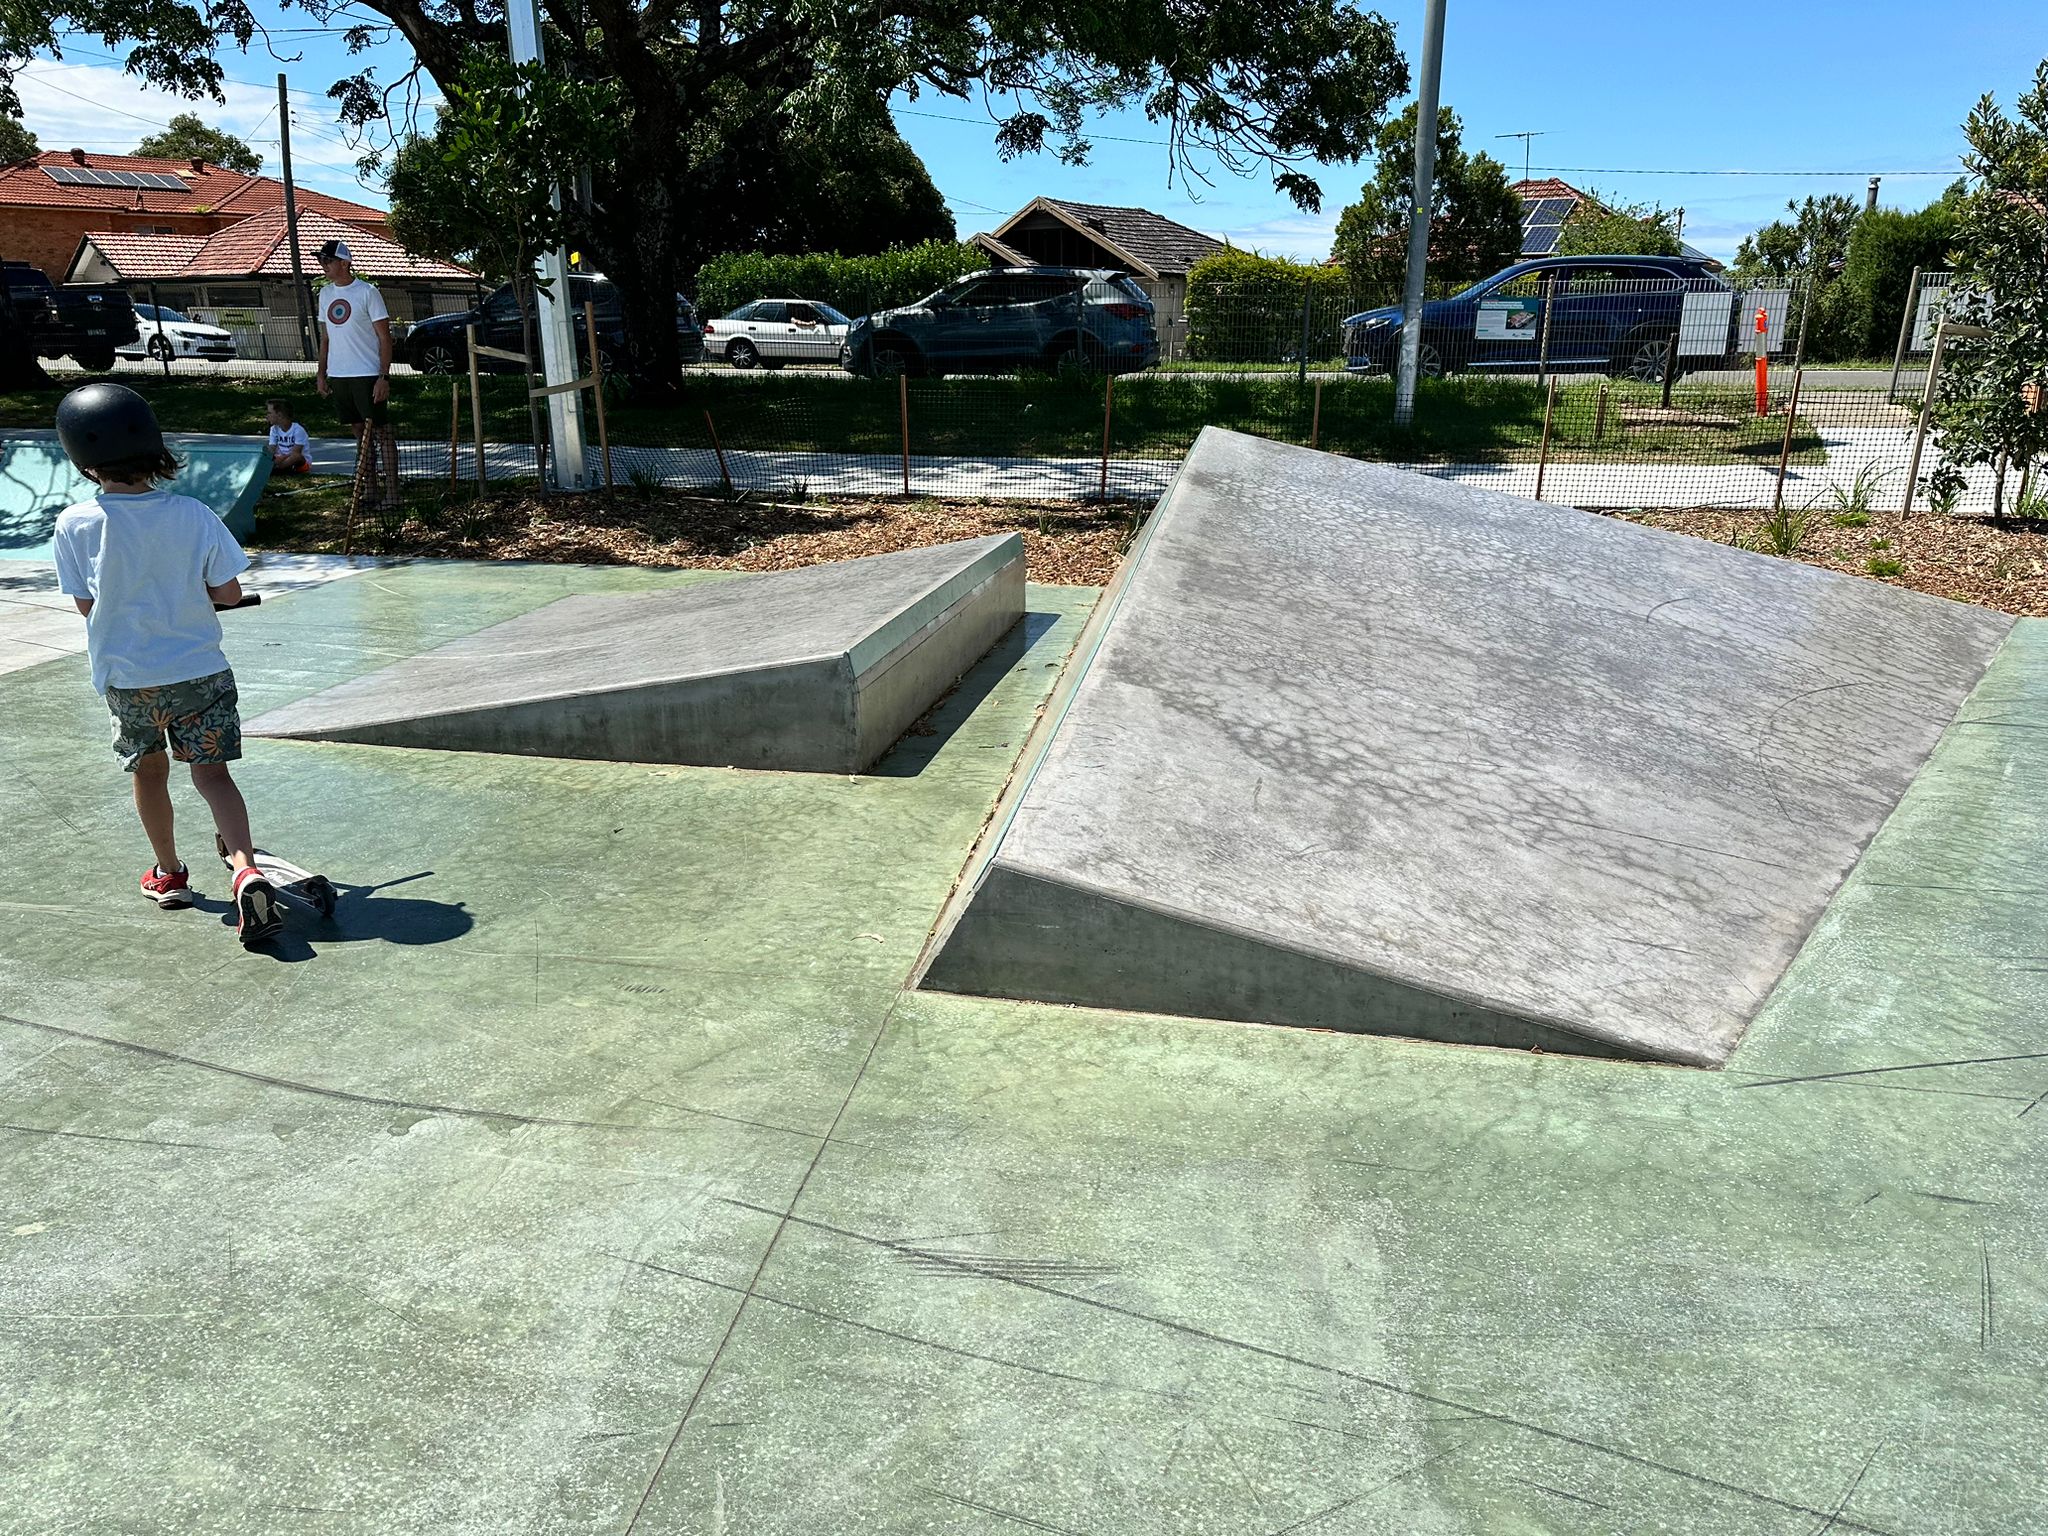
(101, 109)
(1304, 236)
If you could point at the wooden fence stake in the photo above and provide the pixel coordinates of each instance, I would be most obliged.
(1315, 420)
(724, 474)
(1543, 454)
(604, 447)
(476, 407)
(1785, 448)
(1600, 415)
(903, 413)
(1108, 397)
(454, 432)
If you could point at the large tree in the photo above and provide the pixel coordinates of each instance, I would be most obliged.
(703, 83)
(16, 142)
(1475, 220)
(191, 138)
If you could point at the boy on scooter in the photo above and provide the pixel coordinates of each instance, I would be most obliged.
(146, 568)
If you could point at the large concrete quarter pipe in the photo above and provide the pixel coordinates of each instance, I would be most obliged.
(1361, 750)
(817, 670)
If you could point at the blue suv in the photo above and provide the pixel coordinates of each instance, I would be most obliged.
(1011, 318)
(1563, 314)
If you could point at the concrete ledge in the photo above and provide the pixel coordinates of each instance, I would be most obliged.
(816, 670)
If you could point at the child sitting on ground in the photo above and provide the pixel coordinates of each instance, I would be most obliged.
(289, 445)
(146, 568)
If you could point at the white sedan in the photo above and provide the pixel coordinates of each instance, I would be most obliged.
(771, 332)
(164, 333)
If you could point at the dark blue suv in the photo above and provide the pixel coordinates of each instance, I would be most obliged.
(1564, 314)
(1010, 318)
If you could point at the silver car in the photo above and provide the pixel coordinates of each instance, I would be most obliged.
(771, 332)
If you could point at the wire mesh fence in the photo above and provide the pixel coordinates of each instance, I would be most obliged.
(1605, 391)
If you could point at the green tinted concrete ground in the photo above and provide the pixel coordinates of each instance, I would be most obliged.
(593, 1174)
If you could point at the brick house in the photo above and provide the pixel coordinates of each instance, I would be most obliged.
(49, 202)
(1151, 247)
(241, 276)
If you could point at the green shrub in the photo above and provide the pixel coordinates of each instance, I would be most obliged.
(1247, 308)
(856, 284)
(1858, 314)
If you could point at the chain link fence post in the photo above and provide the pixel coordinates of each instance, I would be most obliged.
(1543, 453)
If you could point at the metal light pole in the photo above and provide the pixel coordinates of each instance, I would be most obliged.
(553, 312)
(1425, 199)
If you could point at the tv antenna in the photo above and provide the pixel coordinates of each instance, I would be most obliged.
(1525, 138)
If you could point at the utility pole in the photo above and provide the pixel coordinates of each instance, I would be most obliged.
(291, 219)
(1870, 197)
(1525, 138)
(1418, 217)
(553, 311)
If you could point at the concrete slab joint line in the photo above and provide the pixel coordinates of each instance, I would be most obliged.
(820, 669)
(1361, 750)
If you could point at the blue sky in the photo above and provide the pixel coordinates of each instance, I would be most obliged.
(1632, 93)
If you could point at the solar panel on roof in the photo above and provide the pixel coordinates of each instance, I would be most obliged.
(1541, 239)
(1548, 210)
(89, 176)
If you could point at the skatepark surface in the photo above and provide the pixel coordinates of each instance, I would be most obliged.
(817, 669)
(596, 1172)
(1362, 750)
(37, 483)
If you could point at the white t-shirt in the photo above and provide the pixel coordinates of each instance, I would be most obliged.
(146, 562)
(293, 436)
(350, 312)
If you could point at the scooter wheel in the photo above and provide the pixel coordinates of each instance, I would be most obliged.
(325, 897)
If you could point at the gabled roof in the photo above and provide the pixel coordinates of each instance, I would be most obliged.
(1002, 253)
(1150, 243)
(209, 189)
(256, 247)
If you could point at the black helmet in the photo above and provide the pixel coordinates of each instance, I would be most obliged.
(101, 424)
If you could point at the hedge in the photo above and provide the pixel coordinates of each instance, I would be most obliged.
(857, 285)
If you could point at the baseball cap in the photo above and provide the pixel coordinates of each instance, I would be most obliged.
(332, 250)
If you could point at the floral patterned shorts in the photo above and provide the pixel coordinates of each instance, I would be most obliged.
(199, 718)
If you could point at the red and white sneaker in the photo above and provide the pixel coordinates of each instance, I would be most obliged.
(167, 891)
(257, 917)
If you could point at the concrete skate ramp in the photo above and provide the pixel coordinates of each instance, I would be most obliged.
(37, 482)
(1363, 750)
(819, 669)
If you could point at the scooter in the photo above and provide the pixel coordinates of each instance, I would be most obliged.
(316, 892)
(309, 890)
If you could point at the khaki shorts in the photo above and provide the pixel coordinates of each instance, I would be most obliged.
(199, 719)
(352, 402)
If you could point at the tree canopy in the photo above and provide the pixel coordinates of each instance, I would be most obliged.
(16, 142)
(1475, 220)
(1599, 228)
(703, 86)
(190, 138)
(1815, 241)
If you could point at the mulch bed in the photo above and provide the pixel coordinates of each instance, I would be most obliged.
(1996, 563)
(2001, 564)
(1064, 544)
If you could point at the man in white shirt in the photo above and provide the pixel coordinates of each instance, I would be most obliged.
(355, 361)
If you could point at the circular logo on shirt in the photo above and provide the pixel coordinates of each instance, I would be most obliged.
(338, 312)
